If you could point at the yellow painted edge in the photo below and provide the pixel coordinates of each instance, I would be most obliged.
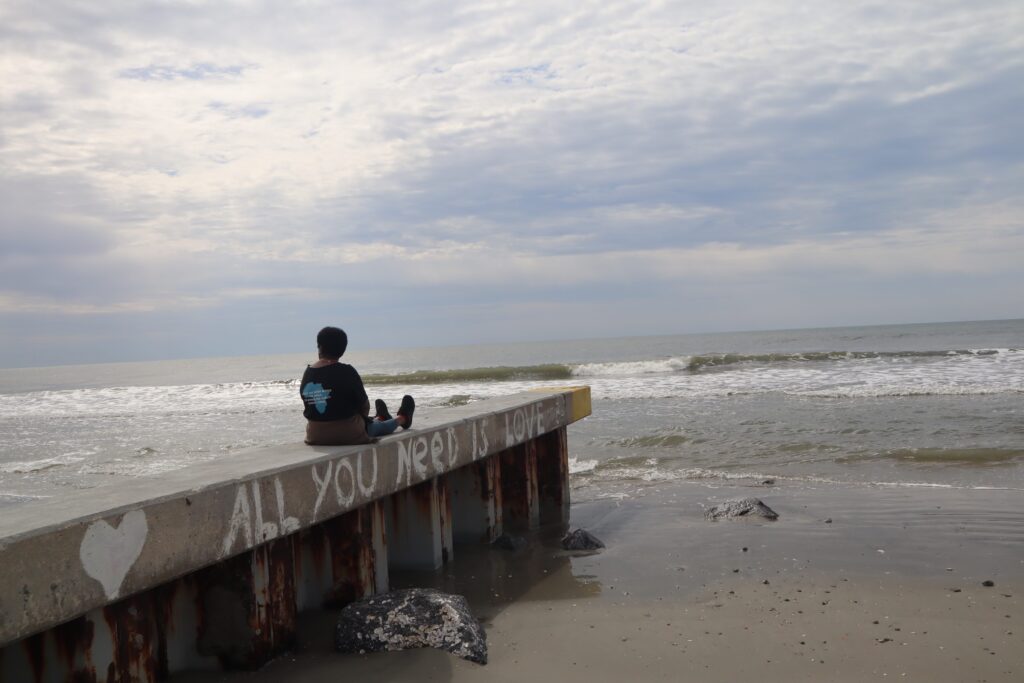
(579, 400)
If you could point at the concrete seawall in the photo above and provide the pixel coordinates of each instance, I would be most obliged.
(208, 566)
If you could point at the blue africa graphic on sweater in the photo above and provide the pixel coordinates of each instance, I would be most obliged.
(316, 395)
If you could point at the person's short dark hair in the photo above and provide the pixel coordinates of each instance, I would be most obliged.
(332, 342)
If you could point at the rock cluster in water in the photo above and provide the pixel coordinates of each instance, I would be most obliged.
(581, 540)
(743, 507)
(412, 618)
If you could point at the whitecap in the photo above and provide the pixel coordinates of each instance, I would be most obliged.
(30, 466)
(577, 466)
(631, 368)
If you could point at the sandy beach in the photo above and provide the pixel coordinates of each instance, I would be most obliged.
(850, 584)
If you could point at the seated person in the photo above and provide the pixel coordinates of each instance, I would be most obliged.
(336, 406)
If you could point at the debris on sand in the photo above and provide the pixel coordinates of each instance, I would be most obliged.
(581, 540)
(743, 507)
(411, 618)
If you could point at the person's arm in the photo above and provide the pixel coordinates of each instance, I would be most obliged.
(359, 397)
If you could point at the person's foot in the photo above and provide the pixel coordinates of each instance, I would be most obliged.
(406, 410)
(382, 410)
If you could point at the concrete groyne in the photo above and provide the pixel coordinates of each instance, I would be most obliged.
(209, 566)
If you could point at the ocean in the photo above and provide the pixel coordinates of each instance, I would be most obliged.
(922, 405)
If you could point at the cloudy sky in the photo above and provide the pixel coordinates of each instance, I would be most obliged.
(186, 179)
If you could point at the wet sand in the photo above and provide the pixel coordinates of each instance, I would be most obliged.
(850, 584)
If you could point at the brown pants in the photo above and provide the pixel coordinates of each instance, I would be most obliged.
(348, 432)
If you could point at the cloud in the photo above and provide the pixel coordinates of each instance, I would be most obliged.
(250, 111)
(194, 72)
(200, 158)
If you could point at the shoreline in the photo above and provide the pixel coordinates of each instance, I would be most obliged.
(890, 588)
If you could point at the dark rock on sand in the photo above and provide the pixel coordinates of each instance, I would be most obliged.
(581, 540)
(508, 542)
(745, 507)
(406, 619)
(988, 584)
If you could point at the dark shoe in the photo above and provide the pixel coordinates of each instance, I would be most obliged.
(382, 410)
(406, 410)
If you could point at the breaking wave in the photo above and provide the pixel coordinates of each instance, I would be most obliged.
(652, 441)
(650, 472)
(716, 360)
(945, 456)
(631, 368)
(33, 466)
(549, 371)
(834, 375)
(677, 364)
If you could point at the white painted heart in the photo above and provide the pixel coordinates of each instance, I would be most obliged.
(108, 553)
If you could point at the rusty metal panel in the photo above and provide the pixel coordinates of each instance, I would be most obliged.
(415, 533)
(225, 601)
(118, 643)
(520, 500)
(533, 483)
(60, 654)
(73, 642)
(281, 612)
(29, 662)
(513, 489)
(180, 608)
(494, 487)
(553, 476)
(379, 544)
(346, 541)
(313, 574)
(444, 514)
(475, 492)
(365, 555)
(247, 606)
(131, 624)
